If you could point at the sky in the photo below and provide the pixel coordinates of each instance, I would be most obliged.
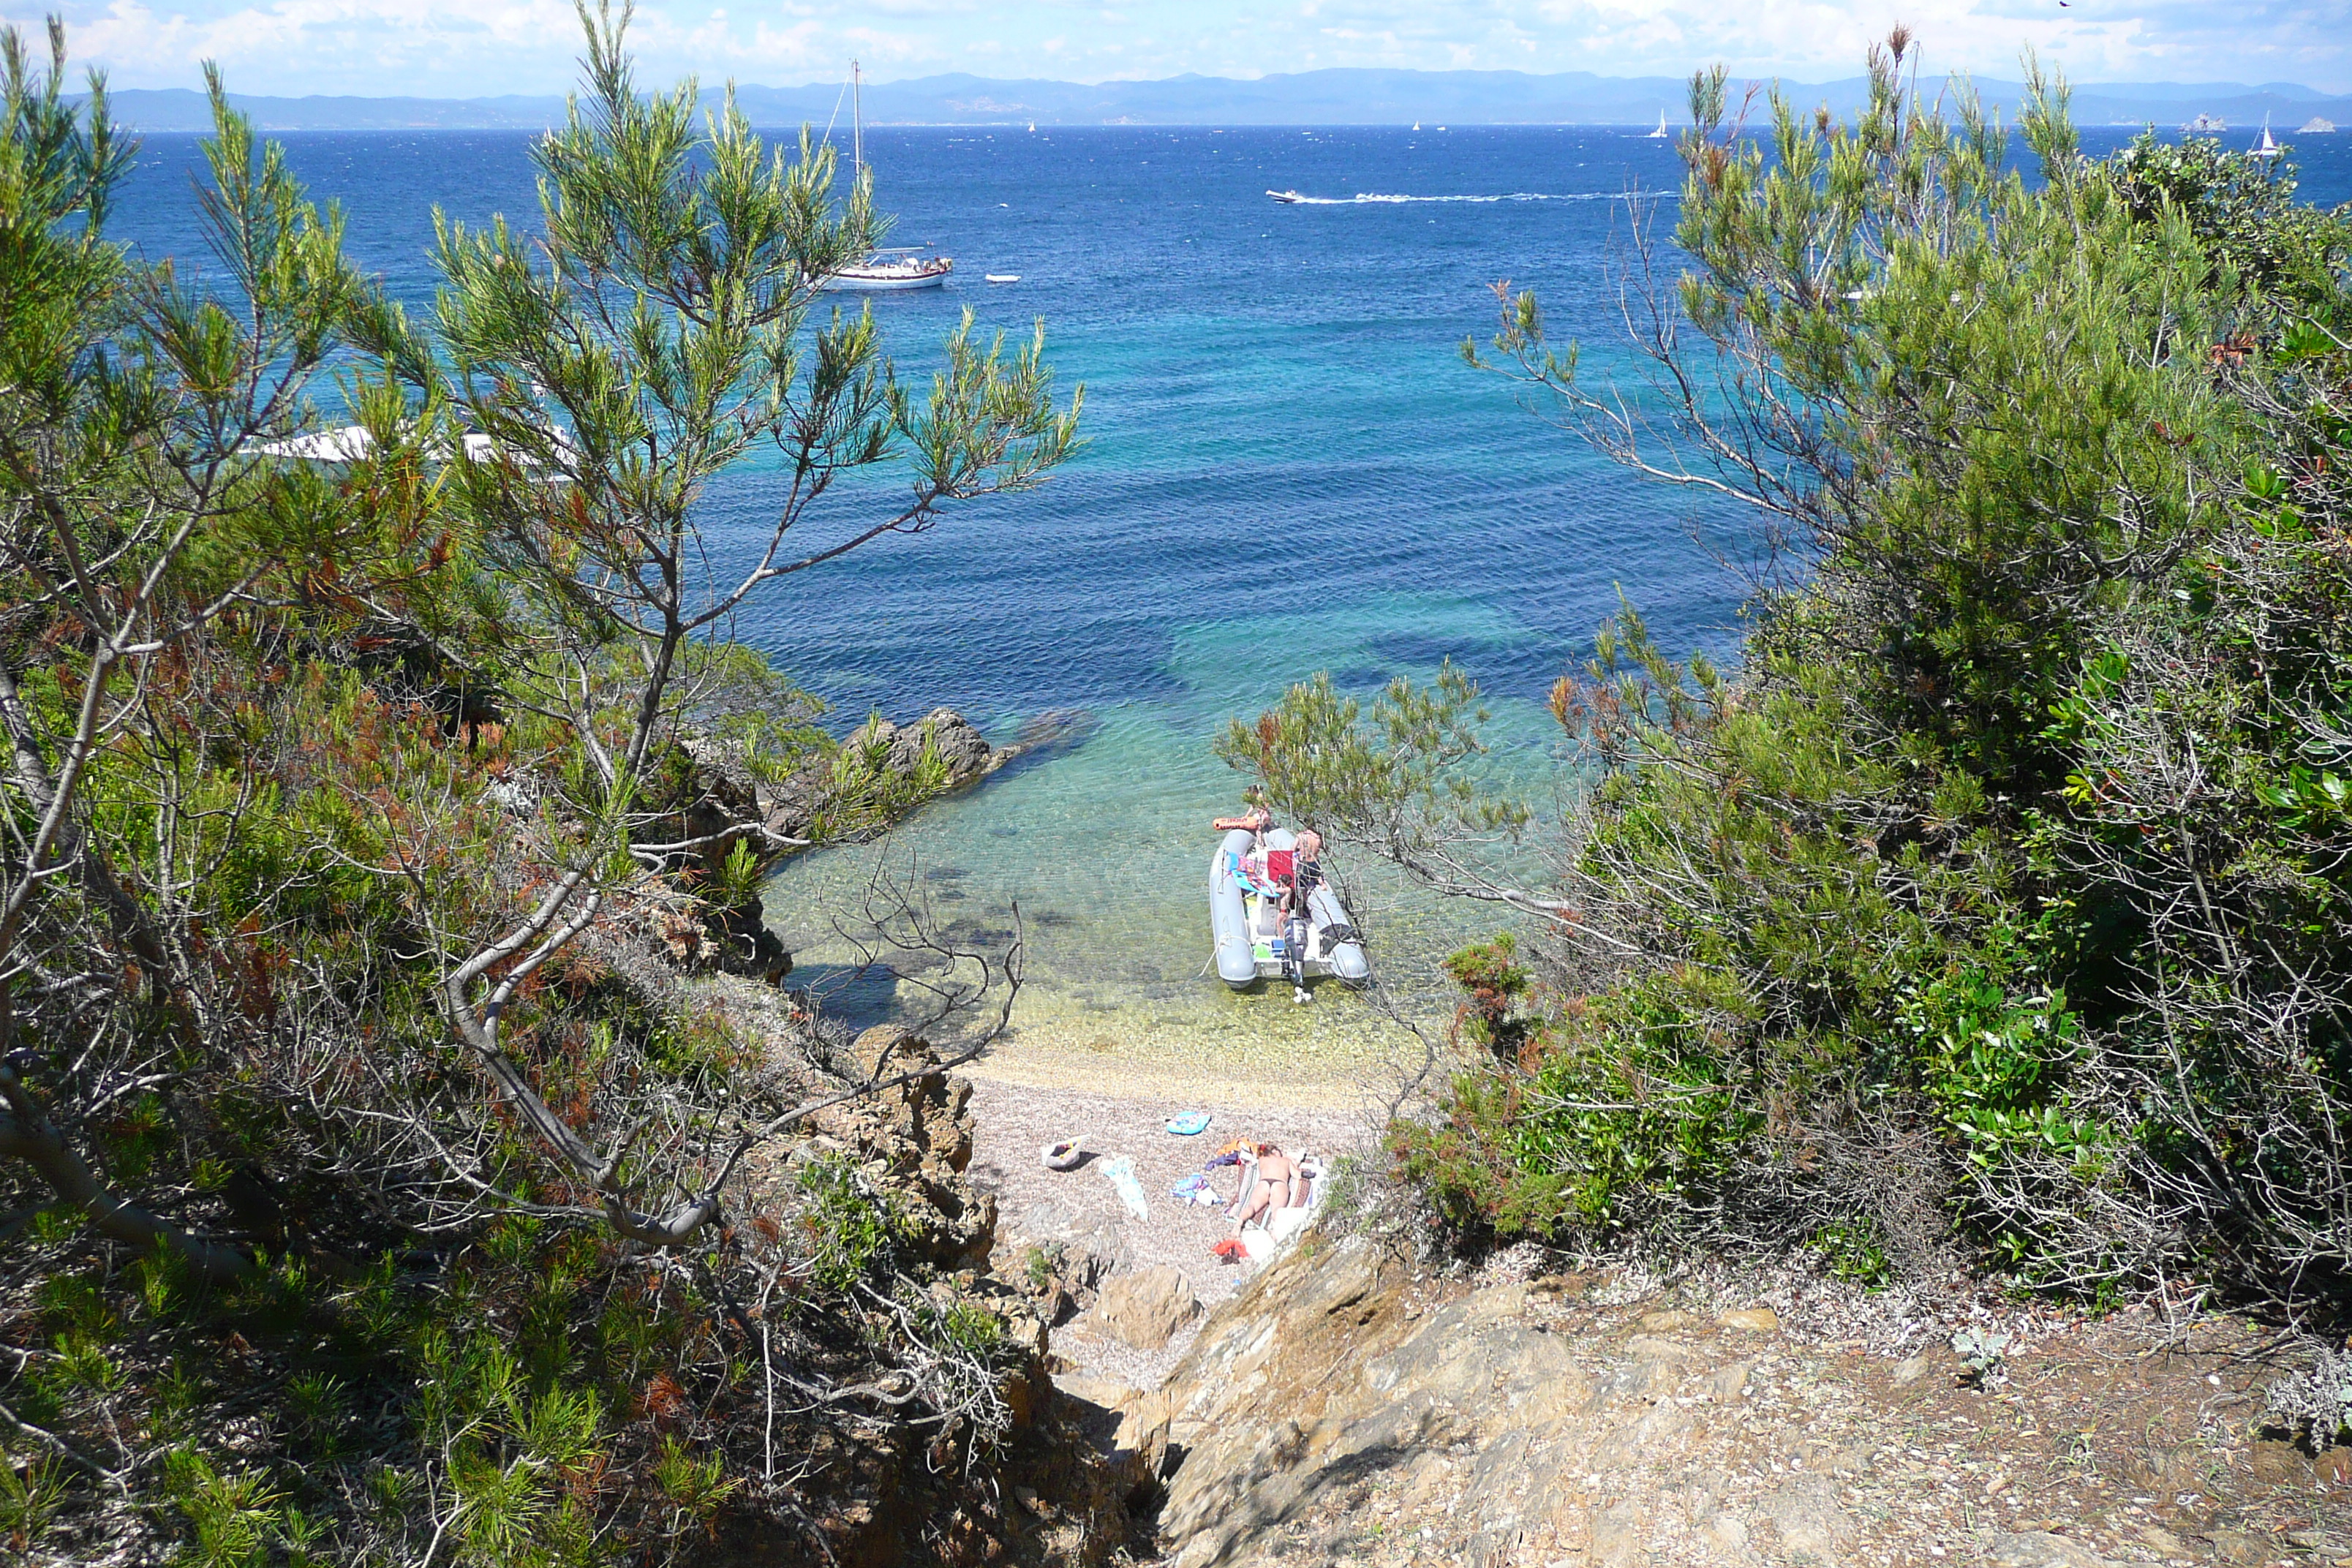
(464, 49)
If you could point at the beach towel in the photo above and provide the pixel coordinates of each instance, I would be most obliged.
(1121, 1172)
(1186, 1123)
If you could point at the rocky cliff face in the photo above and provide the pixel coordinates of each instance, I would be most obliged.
(892, 1485)
(1341, 1410)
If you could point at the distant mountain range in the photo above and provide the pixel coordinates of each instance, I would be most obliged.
(1309, 97)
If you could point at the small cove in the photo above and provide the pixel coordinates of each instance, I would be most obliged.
(1288, 469)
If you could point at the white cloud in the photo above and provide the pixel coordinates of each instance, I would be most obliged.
(461, 47)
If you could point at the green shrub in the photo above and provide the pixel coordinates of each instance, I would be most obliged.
(1996, 902)
(31, 1491)
(851, 1230)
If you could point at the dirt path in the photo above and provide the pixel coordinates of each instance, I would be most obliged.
(1022, 1102)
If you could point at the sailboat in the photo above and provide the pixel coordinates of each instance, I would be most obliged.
(2265, 148)
(1661, 133)
(883, 271)
(1416, 125)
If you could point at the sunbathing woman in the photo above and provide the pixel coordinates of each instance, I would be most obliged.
(1277, 1179)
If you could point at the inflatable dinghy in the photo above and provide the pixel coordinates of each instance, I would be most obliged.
(1246, 926)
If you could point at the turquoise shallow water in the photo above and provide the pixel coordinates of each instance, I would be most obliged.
(1105, 848)
(1288, 470)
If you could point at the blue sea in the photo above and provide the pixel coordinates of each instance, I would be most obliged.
(1288, 469)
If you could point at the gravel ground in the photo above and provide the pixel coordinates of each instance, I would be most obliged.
(1014, 1120)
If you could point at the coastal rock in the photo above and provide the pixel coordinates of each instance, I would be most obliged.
(1342, 1408)
(1322, 1372)
(891, 1488)
(1145, 1309)
(828, 795)
(960, 746)
(915, 1141)
(746, 946)
(1090, 1247)
(708, 799)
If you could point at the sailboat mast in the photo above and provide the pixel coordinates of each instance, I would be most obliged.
(857, 126)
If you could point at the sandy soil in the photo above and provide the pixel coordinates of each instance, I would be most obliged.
(1022, 1102)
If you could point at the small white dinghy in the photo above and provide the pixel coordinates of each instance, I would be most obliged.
(1001, 277)
(1246, 927)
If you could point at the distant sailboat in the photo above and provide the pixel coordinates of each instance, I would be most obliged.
(2267, 148)
(1416, 125)
(883, 271)
(1661, 133)
(1033, 126)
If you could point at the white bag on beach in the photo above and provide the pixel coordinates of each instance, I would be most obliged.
(1122, 1172)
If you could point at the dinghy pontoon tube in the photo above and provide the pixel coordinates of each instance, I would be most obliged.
(1244, 927)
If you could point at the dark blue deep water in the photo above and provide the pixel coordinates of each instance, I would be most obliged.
(1288, 469)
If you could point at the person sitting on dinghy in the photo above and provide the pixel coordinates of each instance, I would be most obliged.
(1248, 867)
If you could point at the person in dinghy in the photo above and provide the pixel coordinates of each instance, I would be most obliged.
(1272, 913)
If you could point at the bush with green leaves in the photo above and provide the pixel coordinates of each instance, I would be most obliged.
(852, 1228)
(1994, 904)
(375, 1186)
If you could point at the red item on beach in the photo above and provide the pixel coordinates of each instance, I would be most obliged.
(1230, 1250)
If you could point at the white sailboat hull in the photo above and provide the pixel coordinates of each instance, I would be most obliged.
(852, 281)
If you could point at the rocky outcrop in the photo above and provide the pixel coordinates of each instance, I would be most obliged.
(1145, 1309)
(1055, 1494)
(822, 798)
(710, 801)
(962, 751)
(915, 1141)
(1341, 1409)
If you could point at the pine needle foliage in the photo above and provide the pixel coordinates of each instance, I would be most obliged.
(380, 1179)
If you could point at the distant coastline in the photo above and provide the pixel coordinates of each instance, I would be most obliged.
(1354, 97)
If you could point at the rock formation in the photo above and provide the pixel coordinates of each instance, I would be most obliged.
(1342, 1410)
(1051, 1497)
(798, 807)
(1146, 1308)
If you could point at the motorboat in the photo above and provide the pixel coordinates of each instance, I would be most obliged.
(1001, 277)
(1288, 198)
(1248, 930)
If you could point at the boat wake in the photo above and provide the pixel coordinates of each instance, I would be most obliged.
(1383, 198)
